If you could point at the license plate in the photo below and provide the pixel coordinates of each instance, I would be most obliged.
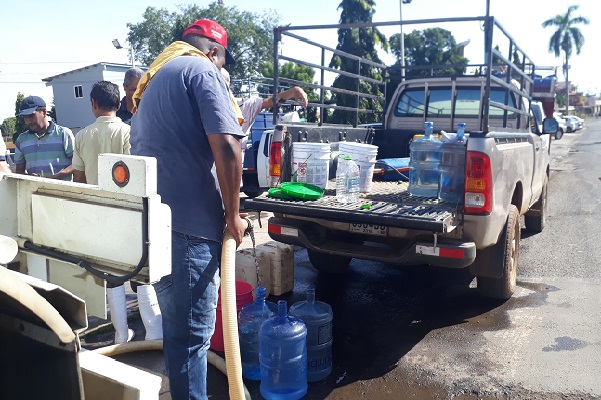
(368, 229)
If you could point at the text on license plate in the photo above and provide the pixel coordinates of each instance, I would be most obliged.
(368, 229)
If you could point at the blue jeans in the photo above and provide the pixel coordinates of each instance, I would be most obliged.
(188, 302)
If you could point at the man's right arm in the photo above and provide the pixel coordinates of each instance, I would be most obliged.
(228, 164)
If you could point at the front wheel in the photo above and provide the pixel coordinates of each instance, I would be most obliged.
(559, 134)
(329, 263)
(505, 255)
(250, 186)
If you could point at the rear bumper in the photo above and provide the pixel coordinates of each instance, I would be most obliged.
(446, 253)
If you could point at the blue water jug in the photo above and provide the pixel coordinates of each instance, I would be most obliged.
(318, 317)
(283, 356)
(452, 167)
(424, 175)
(250, 319)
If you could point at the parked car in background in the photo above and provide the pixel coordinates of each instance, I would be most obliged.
(579, 121)
(562, 126)
(571, 124)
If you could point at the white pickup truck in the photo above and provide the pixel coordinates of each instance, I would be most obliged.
(506, 176)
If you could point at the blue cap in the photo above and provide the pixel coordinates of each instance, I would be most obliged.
(30, 104)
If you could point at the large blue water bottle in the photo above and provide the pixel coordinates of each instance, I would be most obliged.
(250, 319)
(424, 175)
(283, 356)
(452, 167)
(317, 316)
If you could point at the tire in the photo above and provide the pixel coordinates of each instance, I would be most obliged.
(536, 223)
(329, 263)
(559, 134)
(509, 244)
(250, 186)
(253, 193)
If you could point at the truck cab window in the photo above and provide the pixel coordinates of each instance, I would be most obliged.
(411, 103)
(439, 104)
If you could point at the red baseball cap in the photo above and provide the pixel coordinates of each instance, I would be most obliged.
(213, 31)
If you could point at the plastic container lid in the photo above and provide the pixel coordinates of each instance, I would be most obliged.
(278, 194)
(301, 190)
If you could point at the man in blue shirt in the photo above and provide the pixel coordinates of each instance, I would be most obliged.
(46, 148)
(186, 119)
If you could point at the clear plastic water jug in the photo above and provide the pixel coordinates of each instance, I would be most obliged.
(424, 174)
(283, 356)
(347, 180)
(452, 167)
(250, 319)
(318, 317)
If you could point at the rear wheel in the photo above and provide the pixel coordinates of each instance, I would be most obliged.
(329, 263)
(509, 246)
(536, 223)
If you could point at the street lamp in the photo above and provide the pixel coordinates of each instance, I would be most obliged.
(131, 51)
(401, 2)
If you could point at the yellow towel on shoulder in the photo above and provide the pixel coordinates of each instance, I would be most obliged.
(175, 49)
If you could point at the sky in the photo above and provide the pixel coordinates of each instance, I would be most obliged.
(42, 39)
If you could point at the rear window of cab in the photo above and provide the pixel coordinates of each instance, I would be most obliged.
(413, 101)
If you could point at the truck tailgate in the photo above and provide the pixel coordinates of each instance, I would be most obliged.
(390, 204)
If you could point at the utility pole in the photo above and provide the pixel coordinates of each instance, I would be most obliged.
(131, 53)
(401, 2)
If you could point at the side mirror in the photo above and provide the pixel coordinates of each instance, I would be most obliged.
(550, 126)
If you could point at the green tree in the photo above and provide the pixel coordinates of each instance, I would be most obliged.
(361, 42)
(9, 127)
(301, 73)
(566, 38)
(250, 35)
(52, 112)
(432, 46)
(20, 126)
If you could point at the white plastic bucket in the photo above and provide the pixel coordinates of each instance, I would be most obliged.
(311, 163)
(365, 157)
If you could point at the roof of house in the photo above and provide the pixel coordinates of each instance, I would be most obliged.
(50, 78)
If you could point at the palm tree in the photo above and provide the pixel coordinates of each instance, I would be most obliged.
(566, 37)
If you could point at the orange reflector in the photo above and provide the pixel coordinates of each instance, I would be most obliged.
(275, 170)
(120, 174)
(474, 184)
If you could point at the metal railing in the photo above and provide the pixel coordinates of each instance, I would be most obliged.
(517, 78)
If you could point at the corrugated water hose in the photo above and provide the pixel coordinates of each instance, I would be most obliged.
(229, 316)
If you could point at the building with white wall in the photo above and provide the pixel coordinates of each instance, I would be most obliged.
(71, 91)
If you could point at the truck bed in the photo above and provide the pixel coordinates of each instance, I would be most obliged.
(391, 205)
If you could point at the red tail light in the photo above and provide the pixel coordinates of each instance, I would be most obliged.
(275, 163)
(478, 184)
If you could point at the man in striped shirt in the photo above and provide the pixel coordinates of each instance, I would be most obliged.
(46, 148)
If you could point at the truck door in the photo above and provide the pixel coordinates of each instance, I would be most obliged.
(540, 148)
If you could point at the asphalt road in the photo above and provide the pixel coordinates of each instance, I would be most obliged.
(424, 333)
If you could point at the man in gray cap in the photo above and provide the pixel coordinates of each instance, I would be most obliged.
(46, 148)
